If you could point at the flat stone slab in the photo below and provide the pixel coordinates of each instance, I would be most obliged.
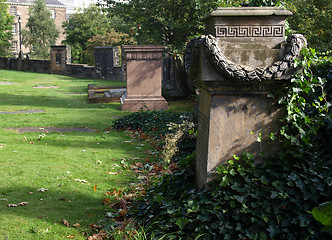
(27, 111)
(51, 129)
(6, 83)
(46, 87)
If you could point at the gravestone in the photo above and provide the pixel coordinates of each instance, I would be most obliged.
(239, 61)
(60, 57)
(108, 64)
(143, 65)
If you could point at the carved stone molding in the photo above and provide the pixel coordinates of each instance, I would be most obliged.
(277, 70)
(249, 31)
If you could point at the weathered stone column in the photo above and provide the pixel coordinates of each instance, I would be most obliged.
(240, 60)
(60, 57)
(144, 74)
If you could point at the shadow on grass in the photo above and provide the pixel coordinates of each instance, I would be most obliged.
(52, 206)
(53, 102)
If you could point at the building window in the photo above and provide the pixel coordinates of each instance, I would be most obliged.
(14, 29)
(14, 46)
(13, 11)
(52, 13)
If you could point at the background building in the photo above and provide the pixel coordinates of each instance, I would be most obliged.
(74, 6)
(20, 10)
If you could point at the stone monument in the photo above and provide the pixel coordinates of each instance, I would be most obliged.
(107, 63)
(242, 57)
(60, 57)
(144, 75)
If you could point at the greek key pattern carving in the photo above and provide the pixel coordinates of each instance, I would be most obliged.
(276, 70)
(250, 31)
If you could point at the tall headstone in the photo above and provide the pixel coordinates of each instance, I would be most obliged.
(143, 65)
(60, 57)
(242, 57)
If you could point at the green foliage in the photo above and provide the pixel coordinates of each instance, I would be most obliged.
(6, 22)
(41, 33)
(313, 19)
(89, 28)
(169, 22)
(271, 200)
(323, 214)
(148, 121)
(111, 38)
(307, 101)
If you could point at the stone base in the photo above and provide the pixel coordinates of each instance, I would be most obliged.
(135, 104)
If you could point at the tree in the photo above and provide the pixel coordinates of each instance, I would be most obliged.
(112, 38)
(169, 22)
(6, 22)
(83, 26)
(313, 19)
(41, 33)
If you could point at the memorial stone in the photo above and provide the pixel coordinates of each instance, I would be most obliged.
(144, 75)
(60, 57)
(242, 57)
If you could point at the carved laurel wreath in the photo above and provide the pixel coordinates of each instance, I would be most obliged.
(294, 44)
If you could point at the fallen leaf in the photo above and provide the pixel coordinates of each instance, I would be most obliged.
(81, 180)
(77, 225)
(70, 236)
(42, 189)
(65, 222)
(112, 173)
(95, 188)
(19, 204)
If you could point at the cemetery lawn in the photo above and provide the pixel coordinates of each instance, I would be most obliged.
(61, 176)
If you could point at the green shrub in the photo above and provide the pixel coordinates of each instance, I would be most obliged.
(267, 201)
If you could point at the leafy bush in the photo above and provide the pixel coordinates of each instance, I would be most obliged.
(267, 201)
(147, 121)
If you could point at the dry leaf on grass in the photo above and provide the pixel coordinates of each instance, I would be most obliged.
(81, 180)
(19, 204)
(77, 225)
(42, 189)
(65, 222)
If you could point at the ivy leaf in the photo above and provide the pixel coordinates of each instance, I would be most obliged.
(323, 213)
(181, 222)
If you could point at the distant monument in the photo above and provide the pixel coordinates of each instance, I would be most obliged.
(60, 57)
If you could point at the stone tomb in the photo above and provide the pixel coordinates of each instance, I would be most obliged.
(144, 75)
(242, 57)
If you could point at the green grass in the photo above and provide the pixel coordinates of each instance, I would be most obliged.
(57, 159)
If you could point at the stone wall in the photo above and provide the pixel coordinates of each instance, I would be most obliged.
(38, 66)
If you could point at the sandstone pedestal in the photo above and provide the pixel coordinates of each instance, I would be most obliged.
(60, 57)
(144, 75)
(242, 57)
